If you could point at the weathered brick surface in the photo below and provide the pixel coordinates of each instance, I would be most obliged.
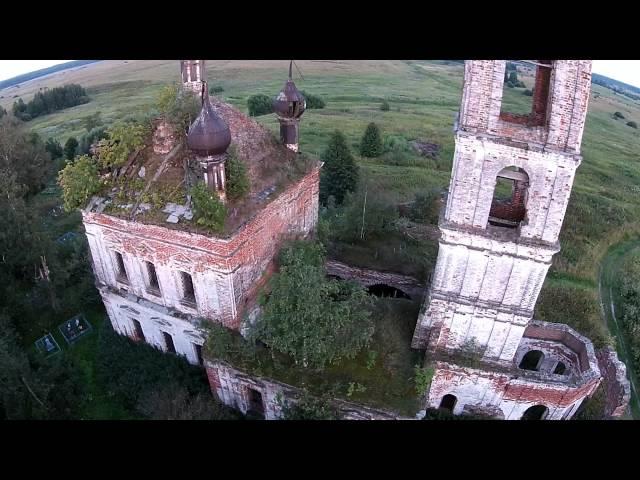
(487, 278)
(231, 386)
(225, 272)
(617, 388)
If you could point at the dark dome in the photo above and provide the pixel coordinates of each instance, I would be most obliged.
(208, 134)
(289, 103)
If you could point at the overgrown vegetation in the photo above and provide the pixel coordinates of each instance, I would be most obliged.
(315, 320)
(313, 101)
(79, 181)
(50, 101)
(123, 139)
(178, 106)
(259, 104)
(339, 175)
(628, 287)
(309, 407)
(236, 173)
(208, 210)
(371, 144)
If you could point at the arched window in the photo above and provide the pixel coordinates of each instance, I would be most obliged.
(448, 402)
(508, 207)
(560, 369)
(537, 412)
(531, 360)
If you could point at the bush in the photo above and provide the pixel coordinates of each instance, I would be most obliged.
(91, 137)
(385, 106)
(122, 140)
(528, 93)
(54, 148)
(259, 105)
(79, 181)
(70, 148)
(178, 106)
(208, 210)
(308, 407)
(371, 144)
(426, 207)
(216, 89)
(632, 124)
(396, 143)
(423, 377)
(236, 173)
(618, 115)
(313, 101)
(510, 84)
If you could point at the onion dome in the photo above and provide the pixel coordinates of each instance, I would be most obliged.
(289, 103)
(208, 134)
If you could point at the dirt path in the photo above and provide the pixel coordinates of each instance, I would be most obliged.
(609, 268)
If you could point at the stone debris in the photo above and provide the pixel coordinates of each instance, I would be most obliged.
(177, 211)
(172, 218)
(142, 172)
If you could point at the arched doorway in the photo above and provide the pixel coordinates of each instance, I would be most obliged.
(448, 402)
(537, 412)
(508, 207)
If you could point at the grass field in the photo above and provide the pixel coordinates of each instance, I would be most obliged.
(424, 97)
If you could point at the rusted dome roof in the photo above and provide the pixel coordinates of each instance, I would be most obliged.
(289, 103)
(208, 134)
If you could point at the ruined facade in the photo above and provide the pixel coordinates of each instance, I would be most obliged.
(160, 278)
(494, 253)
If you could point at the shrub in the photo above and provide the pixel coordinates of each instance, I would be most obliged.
(618, 115)
(313, 101)
(259, 105)
(79, 181)
(513, 77)
(426, 207)
(423, 377)
(632, 124)
(528, 93)
(385, 106)
(396, 143)
(54, 148)
(371, 144)
(208, 210)
(236, 173)
(70, 148)
(91, 137)
(510, 84)
(308, 407)
(122, 140)
(216, 89)
(178, 106)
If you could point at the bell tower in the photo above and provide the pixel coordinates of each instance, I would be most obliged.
(510, 184)
(193, 75)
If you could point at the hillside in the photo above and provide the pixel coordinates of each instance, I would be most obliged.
(16, 81)
(424, 97)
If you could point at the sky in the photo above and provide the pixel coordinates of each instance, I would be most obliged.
(627, 71)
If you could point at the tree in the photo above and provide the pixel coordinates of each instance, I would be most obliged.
(92, 121)
(384, 106)
(236, 173)
(513, 77)
(315, 320)
(3, 112)
(123, 139)
(54, 148)
(79, 181)
(632, 124)
(313, 101)
(371, 145)
(259, 104)
(24, 153)
(208, 210)
(70, 148)
(178, 106)
(618, 115)
(426, 207)
(340, 171)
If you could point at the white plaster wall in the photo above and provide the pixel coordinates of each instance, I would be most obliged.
(121, 311)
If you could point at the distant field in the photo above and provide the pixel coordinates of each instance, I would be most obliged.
(424, 97)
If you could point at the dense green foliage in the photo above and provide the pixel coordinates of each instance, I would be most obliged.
(315, 320)
(79, 181)
(91, 137)
(340, 172)
(309, 407)
(556, 299)
(236, 173)
(213, 89)
(629, 291)
(123, 139)
(178, 106)
(208, 210)
(592, 408)
(313, 101)
(159, 386)
(50, 101)
(371, 144)
(54, 148)
(259, 104)
(70, 148)
(25, 155)
(426, 207)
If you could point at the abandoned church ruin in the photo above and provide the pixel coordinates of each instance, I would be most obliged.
(160, 276)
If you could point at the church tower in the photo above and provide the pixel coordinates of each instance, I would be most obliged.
(510, 184)
(193, 75)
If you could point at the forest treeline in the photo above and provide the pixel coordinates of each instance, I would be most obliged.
(49, 101)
